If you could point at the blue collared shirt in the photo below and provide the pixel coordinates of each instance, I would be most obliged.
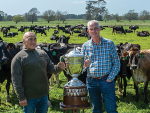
(104, 58)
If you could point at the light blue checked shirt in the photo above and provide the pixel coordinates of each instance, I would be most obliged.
(104, 58)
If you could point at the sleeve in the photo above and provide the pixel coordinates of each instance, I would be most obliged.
(51, 68)
(115, 62)
(16, 72)
(83, 50)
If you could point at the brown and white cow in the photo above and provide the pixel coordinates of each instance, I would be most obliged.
(139, 62)
(125, 72)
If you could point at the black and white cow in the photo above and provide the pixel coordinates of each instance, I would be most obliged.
(128, 31)
(21, 29)
(54, 37)
(60, 27)
(133, 27)
(40, 30)
(55, 32)
(5, 63)
(13, 34)
(4, 30)
(61, 39)
(31, 28)
(143, 33)
(120, 29)
(58, 50)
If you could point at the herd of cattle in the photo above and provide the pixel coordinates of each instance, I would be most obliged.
(120, 29)
(135, 63)
(68, 29)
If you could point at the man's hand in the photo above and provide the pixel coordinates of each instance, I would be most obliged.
(61, 65)
(108, 80)
(23, 103)
(87, 63)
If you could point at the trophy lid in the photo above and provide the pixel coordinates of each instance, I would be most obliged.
(74, 53)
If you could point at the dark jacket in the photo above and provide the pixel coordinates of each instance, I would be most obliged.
(29, 73)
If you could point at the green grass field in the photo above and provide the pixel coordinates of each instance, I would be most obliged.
(125, 105)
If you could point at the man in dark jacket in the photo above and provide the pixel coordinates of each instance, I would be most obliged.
(29, 70)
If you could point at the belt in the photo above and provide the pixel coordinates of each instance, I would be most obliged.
(99, 77)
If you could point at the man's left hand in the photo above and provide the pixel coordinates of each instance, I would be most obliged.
(108, 80)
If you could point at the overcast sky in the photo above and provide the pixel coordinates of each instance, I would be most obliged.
(15, 7)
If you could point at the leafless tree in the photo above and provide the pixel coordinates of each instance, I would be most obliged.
(117, 17)
(32, 15)
(89, 9)
(95, 9)
(58, 15)
(49, 15)
(2, 15)
(107, 16)
(61, 15)
(9, 18)
(144, 15)
(131, 15)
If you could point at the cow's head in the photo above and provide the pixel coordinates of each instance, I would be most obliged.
(133, 55)
(68, 37)
(4, 55)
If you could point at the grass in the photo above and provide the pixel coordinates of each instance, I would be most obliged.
(125, 105)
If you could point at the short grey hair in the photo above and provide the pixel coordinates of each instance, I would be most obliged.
(93, 21)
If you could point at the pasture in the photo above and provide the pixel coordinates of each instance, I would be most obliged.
(125, 105)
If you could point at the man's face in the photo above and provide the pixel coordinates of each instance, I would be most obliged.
(94, 30)
(30, 41)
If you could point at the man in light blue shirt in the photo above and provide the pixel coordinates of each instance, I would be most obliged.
(103, 66)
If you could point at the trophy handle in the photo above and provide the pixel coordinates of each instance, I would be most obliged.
(86, 57)
(62, 59)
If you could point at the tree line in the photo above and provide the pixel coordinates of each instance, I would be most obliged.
(94, 10)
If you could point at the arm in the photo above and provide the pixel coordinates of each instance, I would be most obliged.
(87, 61)
(115, 63)
(16, 72)
(51, 68)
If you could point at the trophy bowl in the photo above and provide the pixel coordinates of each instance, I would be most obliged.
(75, 64)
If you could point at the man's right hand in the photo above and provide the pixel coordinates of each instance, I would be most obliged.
(87, 63)
(23, 102)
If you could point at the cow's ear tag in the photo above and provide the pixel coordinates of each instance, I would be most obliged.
(124, 58)
(54, 53)
(142, 55)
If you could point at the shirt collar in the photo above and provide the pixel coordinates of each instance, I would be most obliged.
(92, 43)
(26, 49)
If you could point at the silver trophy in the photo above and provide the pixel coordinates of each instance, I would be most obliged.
(76, 62)
(75, 91)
